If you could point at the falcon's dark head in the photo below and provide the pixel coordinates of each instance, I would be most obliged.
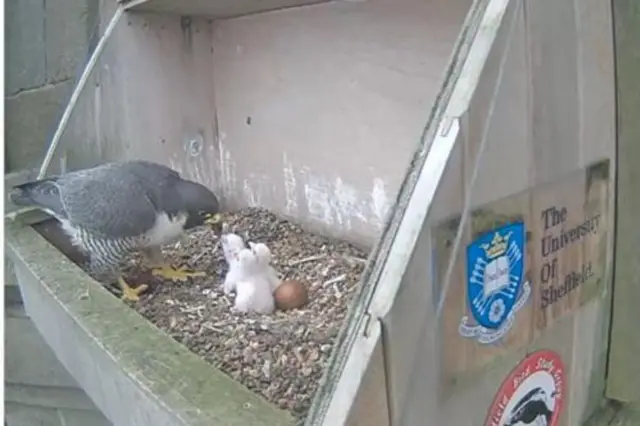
(201, 205)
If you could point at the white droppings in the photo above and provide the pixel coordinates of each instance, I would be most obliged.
(98, 117)
(251, 198)
(175, 165)
(348, 206)
(196, 172)
(63, 163)
(318, 201)
(289, 185)
(339, 204)
(330, 200)
(380, 201)
(227, 167)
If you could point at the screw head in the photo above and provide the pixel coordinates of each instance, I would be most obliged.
(194, 146)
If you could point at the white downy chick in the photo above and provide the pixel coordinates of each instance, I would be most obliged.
(263, 254)
(232, 244)
(253, 292)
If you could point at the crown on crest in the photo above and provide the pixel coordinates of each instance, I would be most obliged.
(498, 245)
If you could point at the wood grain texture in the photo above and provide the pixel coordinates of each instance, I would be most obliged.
(218, 9)
(321, 108)
(370, 406)
(543, 128)
(563, 294)
(623, 382)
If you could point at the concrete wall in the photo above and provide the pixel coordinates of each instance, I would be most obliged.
(47, 43)
(38, 390)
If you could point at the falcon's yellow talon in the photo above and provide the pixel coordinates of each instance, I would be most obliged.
(175, 274)
(213, 219)
(129, 293)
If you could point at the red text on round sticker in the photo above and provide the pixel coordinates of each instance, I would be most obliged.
(532, 394)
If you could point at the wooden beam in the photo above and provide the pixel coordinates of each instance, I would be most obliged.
(219, 9)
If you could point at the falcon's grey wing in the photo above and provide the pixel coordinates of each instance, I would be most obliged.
(169, 192)
(107, 201)
(160, 183)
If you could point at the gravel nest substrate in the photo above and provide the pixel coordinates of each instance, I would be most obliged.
(281, 356)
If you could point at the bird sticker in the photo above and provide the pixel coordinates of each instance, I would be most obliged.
(495, 283)
(532, 394)
(114, 209)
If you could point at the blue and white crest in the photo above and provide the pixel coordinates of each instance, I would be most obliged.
(495, 282)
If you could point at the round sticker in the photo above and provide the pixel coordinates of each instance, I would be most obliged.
(532, 394)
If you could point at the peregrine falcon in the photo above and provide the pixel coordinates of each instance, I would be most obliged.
(114, 209)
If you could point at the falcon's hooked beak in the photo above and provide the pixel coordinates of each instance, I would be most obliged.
(214, 220)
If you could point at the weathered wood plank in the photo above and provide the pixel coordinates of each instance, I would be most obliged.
(623, 382)
(370, 407)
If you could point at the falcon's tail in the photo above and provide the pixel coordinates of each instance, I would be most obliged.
(39, 193)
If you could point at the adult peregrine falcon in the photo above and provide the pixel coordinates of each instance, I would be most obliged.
(113, 209)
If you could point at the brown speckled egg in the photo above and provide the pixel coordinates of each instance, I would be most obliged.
(290, 294)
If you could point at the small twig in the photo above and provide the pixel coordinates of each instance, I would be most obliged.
(335, 280)
(355, 259)
(197, 257)
(337, 291)
(209, 327)
(193, 309)
(307, 259)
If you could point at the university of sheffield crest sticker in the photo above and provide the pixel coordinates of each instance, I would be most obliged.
(495, 287)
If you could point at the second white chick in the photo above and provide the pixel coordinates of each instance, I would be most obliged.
(263, 254)
(232, 244)
(253, 292)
